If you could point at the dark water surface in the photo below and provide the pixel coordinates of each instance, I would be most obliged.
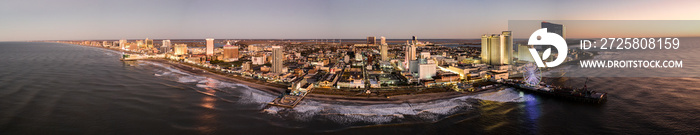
(51, 88)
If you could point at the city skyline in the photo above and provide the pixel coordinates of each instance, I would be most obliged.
(100, 20)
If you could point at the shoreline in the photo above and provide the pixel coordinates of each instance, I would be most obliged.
(368, 99)
(202, 72)
(398, 99)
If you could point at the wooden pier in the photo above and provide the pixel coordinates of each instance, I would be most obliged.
(288, 101)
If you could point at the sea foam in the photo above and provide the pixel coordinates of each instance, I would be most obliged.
(346, 113)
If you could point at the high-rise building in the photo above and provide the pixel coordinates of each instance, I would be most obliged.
(383, 49)
(165, 47)
(277, 59)
(524, 53)
(135, 46)
(497, 49)
(149, 43)
(166, 43)
(139, 44)
(410, 53)
(180, 49)
(122, 44)
(382, 40)
(210, 47)
(371, 40)
(230, 53)
(555, 28)
(414, 39)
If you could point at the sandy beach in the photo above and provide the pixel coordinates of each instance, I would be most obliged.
(200, 72)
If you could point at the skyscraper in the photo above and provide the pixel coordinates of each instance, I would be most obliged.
(410, 53)
(135, 46)
(122, 44)
(497, 49)
(524, 53)
(555, 28)
(166, 43)
(210, 47)
(180, 49)
(384, 49)
(277, 59)
(165, 47)
(371, 40)
(149, 43)
(382, 40)
(139, 44)
(230, 53)
(415, 40)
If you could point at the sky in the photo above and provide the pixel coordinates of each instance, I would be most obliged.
(22, 20)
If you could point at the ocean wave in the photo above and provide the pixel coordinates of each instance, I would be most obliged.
(168, 68)
(345, 113)
(377, 113)
(246, 94)
(109, 52)
(386, 113)
(506, 95)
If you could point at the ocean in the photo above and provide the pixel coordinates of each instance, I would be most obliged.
(54, 88)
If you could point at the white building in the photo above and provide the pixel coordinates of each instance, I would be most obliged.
(210, 46)
(165, 47)
(427, 70)
(382, 40)
(122, 44)
(258, 60)
(410, 54)
(166, 43)
(425, 55)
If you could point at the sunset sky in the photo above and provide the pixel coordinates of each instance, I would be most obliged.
(311, 19)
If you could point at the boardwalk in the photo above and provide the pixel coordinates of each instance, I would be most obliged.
(128, 57)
